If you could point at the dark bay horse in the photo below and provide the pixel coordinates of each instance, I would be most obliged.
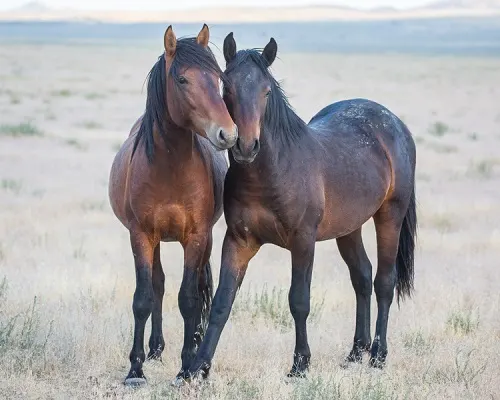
(166, 184)
(291, 184)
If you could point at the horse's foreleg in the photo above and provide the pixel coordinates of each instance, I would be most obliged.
(235, 257)
(190, 300)
(299, 299)
(143, 250)
(156, 341)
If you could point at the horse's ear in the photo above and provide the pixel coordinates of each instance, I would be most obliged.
(170, 41)
(229, 48)
(269, 52)
(204, 36)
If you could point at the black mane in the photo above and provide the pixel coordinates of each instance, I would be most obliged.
(188, 53)
(280, 118)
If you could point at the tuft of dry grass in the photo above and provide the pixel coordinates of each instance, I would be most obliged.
(442, 147)
(482, 169)
(463, 321)
(91, 125)
(22, 129)
(11, 185)
(95, 96)
(73, 142)
(62, 93)
(443, 223)
(272, 305)
(439, 129)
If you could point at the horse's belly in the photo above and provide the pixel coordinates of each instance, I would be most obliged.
(343, 215)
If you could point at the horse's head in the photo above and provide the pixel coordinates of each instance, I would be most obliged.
(247, 92)
(193, 87)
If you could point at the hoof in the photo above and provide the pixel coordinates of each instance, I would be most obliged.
(300, 366)
(178, 382)
(296, 374)
(135, 382)
(377, 363)
(184, 378)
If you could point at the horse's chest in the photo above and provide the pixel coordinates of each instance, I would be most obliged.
(264, 224)
(173, 211)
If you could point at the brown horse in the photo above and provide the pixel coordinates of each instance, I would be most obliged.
(291, 184)
(166, 184)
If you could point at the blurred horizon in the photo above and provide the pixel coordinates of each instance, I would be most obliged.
(149, 5)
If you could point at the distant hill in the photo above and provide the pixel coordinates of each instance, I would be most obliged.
(38, 11)
(32, 7)
(463, 4)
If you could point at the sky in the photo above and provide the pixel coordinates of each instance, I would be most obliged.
(147, 5)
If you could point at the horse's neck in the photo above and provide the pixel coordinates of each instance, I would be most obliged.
(177, 143)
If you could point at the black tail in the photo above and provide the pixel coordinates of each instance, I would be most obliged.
(205, 289)
(405, 257)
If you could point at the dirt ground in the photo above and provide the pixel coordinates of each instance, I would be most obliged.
(65, 302)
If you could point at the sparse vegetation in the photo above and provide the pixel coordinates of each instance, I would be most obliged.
(22, 129)
(272, 305)
(444, 223)
(11, 185)
(473, 136)
(464, 370)
(482, 169)
(317, 388)
(442, 147)
(95, 96)
(15, 99)
(91, 125)
(418, 343)
(62, 93)
(439, 129)
(21, 342)
(79, 252)
(76, 144)
(93, 206)
(463, 322)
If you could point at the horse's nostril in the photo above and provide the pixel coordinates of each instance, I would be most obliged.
(221, 136)
(237, 145)
(256, 146)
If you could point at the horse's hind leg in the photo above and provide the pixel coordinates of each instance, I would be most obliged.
(196, 255)
(156, 341)
(388, 222)
(143, 250)
(353, 253)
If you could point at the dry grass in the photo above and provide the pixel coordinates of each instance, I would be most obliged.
(65, 304)
(22, 129)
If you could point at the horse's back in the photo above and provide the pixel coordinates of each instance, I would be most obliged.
(361, 116)
(359, 122)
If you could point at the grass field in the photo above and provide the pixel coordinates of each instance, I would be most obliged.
(66, 270)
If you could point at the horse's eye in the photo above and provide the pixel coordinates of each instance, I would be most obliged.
(268, 93)
(182, 80)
